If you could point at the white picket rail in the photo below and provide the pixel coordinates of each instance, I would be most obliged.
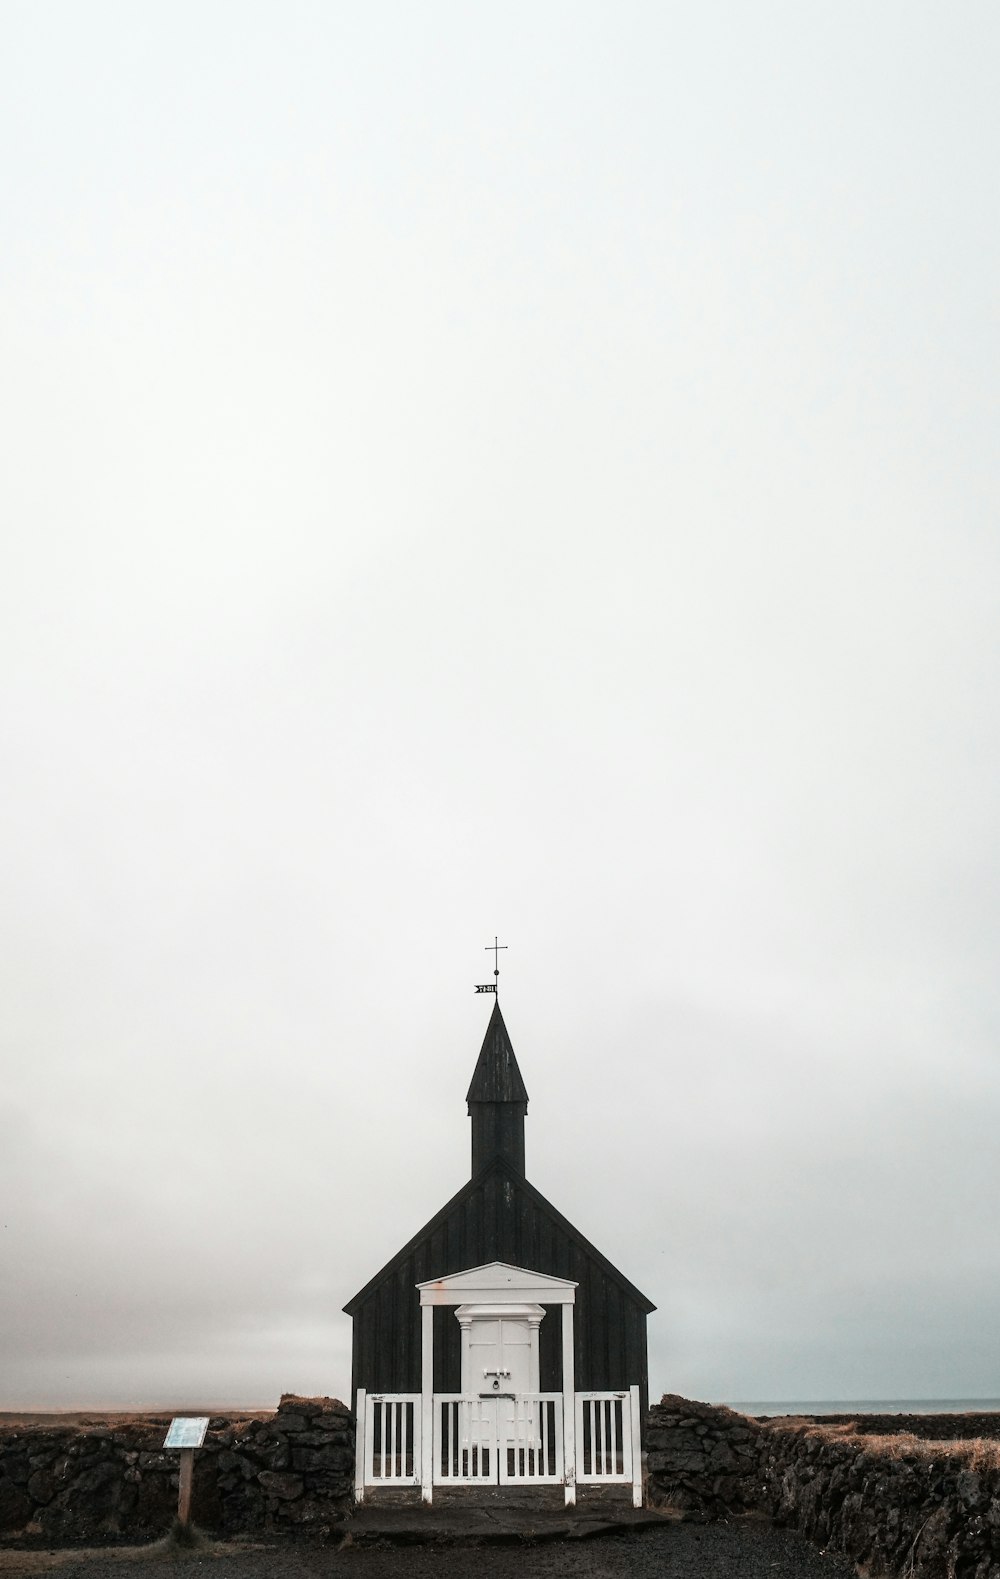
(388, 1449)
(465, 1440)
(498, 1441)
(532, 1449)
(608, 1449)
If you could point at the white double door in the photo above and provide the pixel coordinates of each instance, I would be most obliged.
(500, 1366)
(497, 1358)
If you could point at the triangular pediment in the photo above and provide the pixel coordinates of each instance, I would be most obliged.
(497, 1281)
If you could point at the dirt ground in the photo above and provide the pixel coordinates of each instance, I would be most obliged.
(739, 1550)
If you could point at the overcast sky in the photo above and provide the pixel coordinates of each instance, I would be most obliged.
(524, 469)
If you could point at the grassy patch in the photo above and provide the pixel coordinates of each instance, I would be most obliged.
(976, 1452)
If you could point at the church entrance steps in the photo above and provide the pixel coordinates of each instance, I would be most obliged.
(496, 1516)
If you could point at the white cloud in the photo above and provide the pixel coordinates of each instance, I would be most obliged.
(530, 471)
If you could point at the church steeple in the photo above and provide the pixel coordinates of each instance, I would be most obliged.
(498, 1101)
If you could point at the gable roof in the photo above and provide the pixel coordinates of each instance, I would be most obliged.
(515, 1185)
(496, 1077)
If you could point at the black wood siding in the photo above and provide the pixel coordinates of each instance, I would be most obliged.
(498, 1217)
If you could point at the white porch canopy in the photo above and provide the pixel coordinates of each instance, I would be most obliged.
(496, 1287)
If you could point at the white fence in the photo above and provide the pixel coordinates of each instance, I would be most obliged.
(512, 1439)
(509, 1440)
(607, 1437)
(389, 1448)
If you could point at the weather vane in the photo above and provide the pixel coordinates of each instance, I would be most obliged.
(496, 948)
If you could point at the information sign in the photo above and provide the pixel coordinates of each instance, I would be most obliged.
(187, 1431)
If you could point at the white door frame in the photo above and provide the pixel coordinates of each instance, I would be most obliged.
(498, 1284)
(469, 1314)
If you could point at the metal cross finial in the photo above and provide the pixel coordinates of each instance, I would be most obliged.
(495, 948)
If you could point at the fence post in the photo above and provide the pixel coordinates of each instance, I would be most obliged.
(633, 1393)
(427, 1403)
(569, 1406)
(360, 1432)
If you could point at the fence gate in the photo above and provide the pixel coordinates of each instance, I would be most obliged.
(510, 1439)
(607, 1438)
(389, 1446)
(531, 1440)
(465, 1440)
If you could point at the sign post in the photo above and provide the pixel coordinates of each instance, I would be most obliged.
(186, 1433)
(184, 1479)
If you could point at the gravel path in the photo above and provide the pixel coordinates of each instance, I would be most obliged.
(678, 1551)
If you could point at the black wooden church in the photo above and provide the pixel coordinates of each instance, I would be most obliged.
(545, 1324)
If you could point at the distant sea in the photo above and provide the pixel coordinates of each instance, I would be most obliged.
(867, 1406)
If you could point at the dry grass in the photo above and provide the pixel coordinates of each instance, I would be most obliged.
(17, 1419)
(975, 1452)
(167, 1550)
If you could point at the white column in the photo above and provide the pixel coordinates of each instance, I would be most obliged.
(534, 1367)
(360, 1446)
(465, 1322)
(569, 1405)
(633, 1394)
(427, 1403)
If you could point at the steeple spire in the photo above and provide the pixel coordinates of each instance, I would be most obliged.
(498, 1101)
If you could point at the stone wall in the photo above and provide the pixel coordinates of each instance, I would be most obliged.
(892, 1504)
(895, 1510)
(293, 1472)
(700, 1458)
(899, 1507)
